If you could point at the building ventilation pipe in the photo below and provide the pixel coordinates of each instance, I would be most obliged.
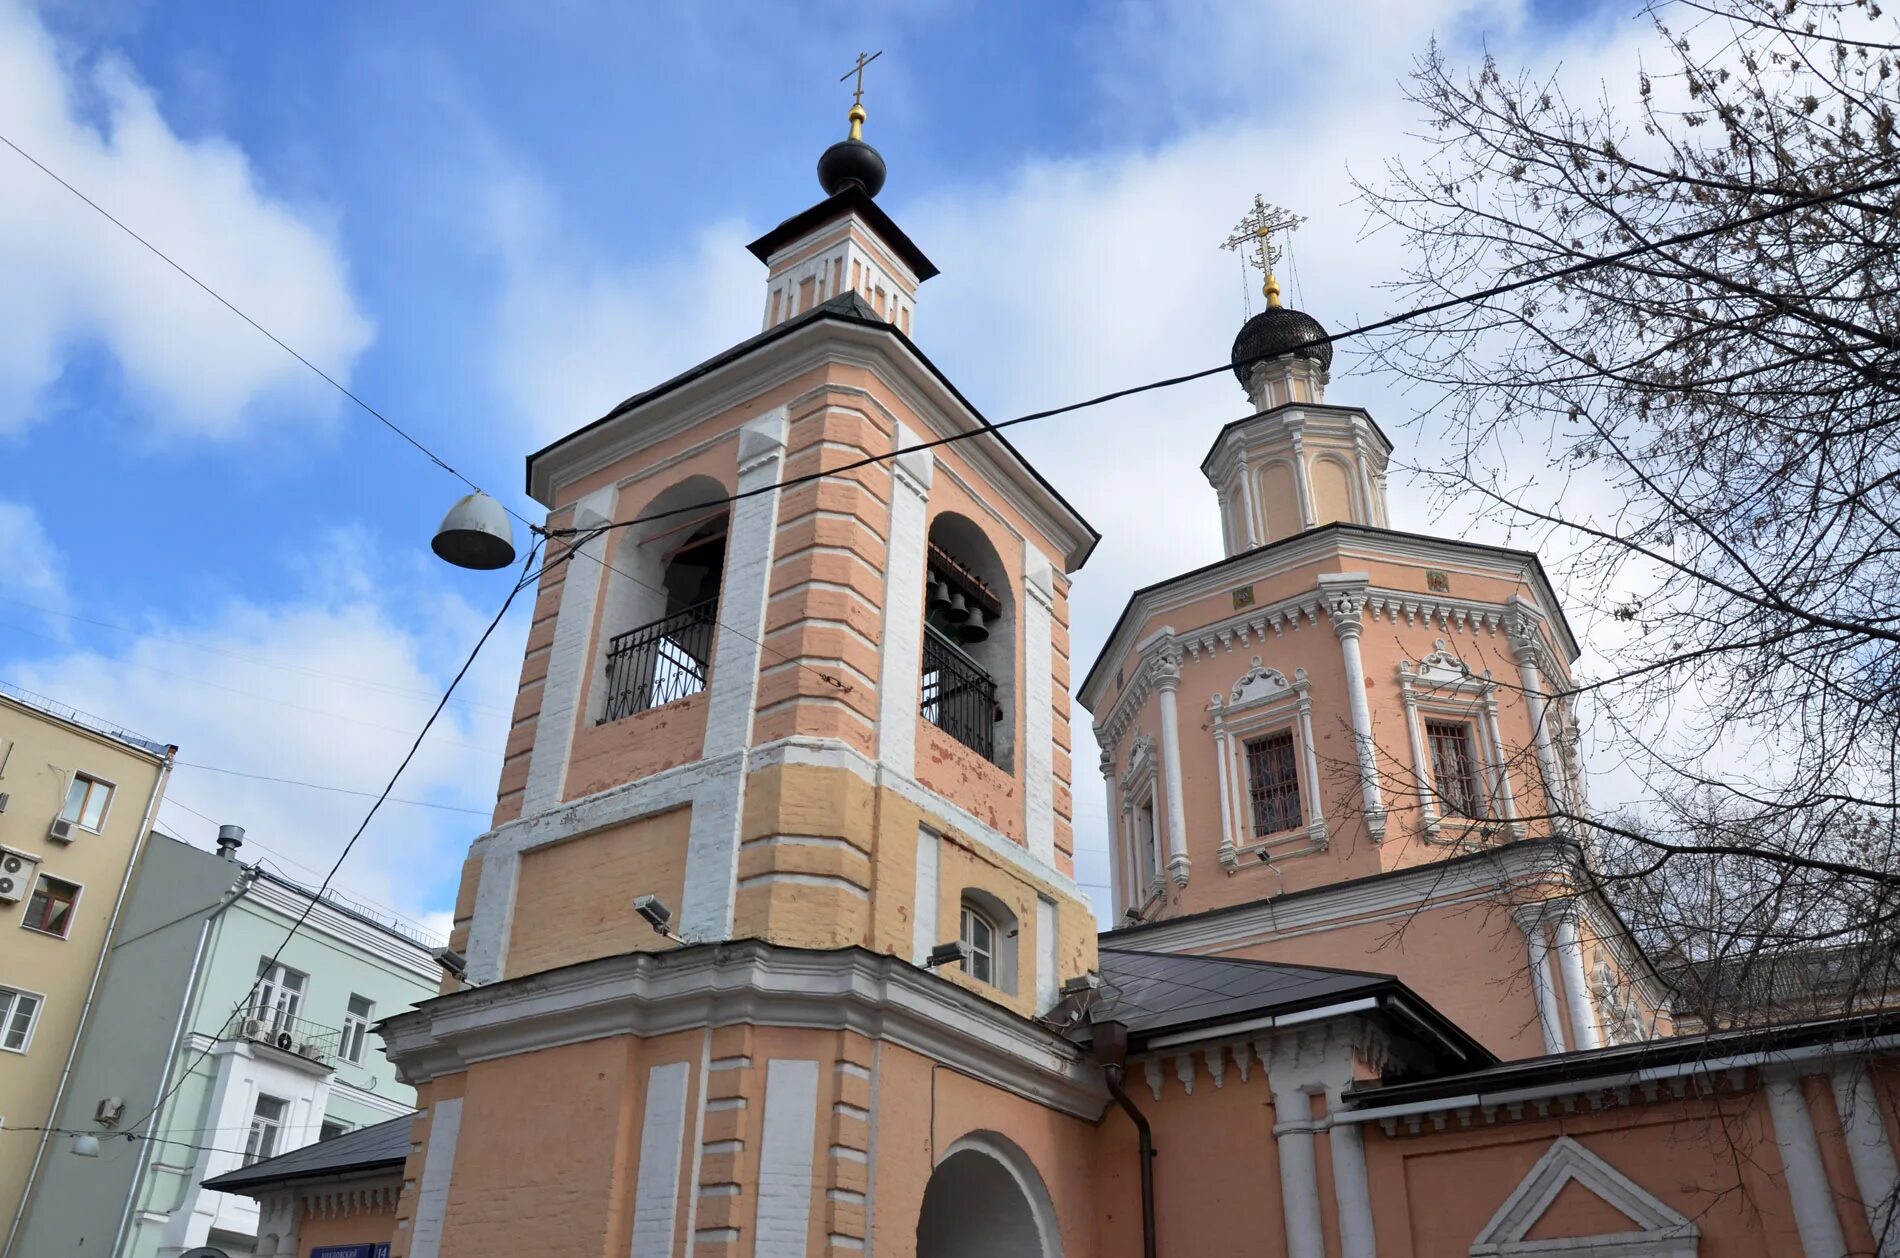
(230, 839)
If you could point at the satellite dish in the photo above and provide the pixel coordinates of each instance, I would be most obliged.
(476, 534)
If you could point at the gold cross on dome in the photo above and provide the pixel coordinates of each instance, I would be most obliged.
(864, 59)
(1256, 229)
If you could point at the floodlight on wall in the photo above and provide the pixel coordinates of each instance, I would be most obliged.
(453, 963)
(1132, 916)
(954, 953)
(652, 909)
(85, 1145)
(1081, 984)
(476, 534)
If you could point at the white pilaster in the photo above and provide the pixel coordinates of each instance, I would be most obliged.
(1166, 666)
(1421, 767)
(1299, 1168)
(1048, 978)
(1537, 941)
(923, 913)
(905, 570)
(438, 1171)
(1583, 1022)
(1507, 799)
(494, 918)
(785, 1158)
(1802, 1171)
(1345, 597)
(712, 841)
(1309, 769)
(1105, 760)
(1308, 517)
(662, 1138)
(1876, 1174)
(1526, 644)
(1254, 530)
(1039, 807)
(1229, 836)
(569, 657)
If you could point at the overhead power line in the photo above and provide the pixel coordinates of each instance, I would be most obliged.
(334, 790)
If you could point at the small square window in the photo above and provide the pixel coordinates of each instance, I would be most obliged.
(50, 911)
(19, 1011)
(86, 801)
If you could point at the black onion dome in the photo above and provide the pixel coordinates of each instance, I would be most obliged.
(1275, 332)
(850, 163)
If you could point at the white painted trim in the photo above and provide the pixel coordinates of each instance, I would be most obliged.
(1802, 1170)
(929, 895)
(662, 1133)
(438, 1171)
(1662, 1231)
(906, 566)
(1870, 1151)
(1038, 759)
(786, 1154)
(1021, 1168)
(570, 658)
(1048, 977)
(660, 993)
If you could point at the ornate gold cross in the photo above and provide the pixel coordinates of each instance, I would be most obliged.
(1256, 229)
(864, 59)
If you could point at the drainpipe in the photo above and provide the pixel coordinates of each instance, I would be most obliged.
(1111, 1048)
(141, 1163)
(92, 991)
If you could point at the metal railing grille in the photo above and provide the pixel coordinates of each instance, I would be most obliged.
(958, 696)
(661, 662)
(1273, 784)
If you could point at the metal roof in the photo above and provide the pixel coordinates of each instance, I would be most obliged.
(365, 1149)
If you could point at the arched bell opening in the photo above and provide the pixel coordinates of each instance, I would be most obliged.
(986, 1200)
(969, 665)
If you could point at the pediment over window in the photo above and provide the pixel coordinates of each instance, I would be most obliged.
(1260, 683)
(1564, 1202)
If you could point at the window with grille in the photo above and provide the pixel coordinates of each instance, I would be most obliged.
(979, 935)
(1455, 768)
(50, 911)
(1273, 783)
(355, 1027)
(18, 1012)
(267, 1121)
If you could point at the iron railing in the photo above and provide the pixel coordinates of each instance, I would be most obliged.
(661, 662)
(271, 1025)
(1273, 784)
(958, 696)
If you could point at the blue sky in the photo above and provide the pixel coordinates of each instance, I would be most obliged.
(495, 220)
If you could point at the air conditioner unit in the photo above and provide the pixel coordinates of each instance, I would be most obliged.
(16, 874)
(12, 887)
(310, 1049)
(109, 1111)
(61, 831)
(256, 1029)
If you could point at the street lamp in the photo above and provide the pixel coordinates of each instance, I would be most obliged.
(476, 534)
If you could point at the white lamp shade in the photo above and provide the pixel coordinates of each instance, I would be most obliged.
(476, 534)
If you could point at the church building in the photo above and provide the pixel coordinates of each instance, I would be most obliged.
(775, 946)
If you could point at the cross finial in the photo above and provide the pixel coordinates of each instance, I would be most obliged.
(1256, 229)
(857, 96)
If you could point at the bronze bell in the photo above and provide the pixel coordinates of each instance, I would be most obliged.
(973, 629)
(937, 600)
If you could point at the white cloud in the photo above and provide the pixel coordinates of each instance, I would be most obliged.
(74, 280)
(31, 568)
(330, 688)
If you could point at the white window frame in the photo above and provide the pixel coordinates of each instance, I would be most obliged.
(79, 889)
(1439, 686)
(1142, 841)
(1264, 702)
(270, 979)
(356, 1029)
(342, 1128)
(105, 811)
(981, 965)
(9, 1003)
(253, 1153)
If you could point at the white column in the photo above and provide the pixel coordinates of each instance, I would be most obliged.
(1038, 758)
(1350, 1186)
(1531, 920)
(1345, 597)
(1802, 1171)
(570, 657)
(1309, 766)
(1507, 801)
(1526, 644)
(1137, 883)
(1583, 1022)
(1252, 530)
(787, 1141)
(1111, 819)
(905, 566)
(712, 839)
(1300, 482)
(438, 1174)
(1421, 767)
(1299, 1170)
(1167, 678)
(1229, 840)
(1871, 1152)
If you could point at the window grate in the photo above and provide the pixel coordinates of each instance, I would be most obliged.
(1454, 768)
(1273, 784)
(660, 663)
(958, 696)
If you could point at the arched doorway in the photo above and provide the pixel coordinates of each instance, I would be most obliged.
(986, 1200)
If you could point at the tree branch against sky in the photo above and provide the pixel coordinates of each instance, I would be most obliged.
(1735, 397)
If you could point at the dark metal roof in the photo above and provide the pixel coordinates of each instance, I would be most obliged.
(1161, 993)
(365, 1149)
(847, 307)
(1280, 331)
(852, 200)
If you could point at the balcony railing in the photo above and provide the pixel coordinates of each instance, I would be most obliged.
(958, 696)
(281, 1031)
(658, 663)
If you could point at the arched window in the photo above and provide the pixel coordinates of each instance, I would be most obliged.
(988, 929)
(969, 673)
(663, 603)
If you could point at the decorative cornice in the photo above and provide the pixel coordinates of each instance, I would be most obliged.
(745, 983)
